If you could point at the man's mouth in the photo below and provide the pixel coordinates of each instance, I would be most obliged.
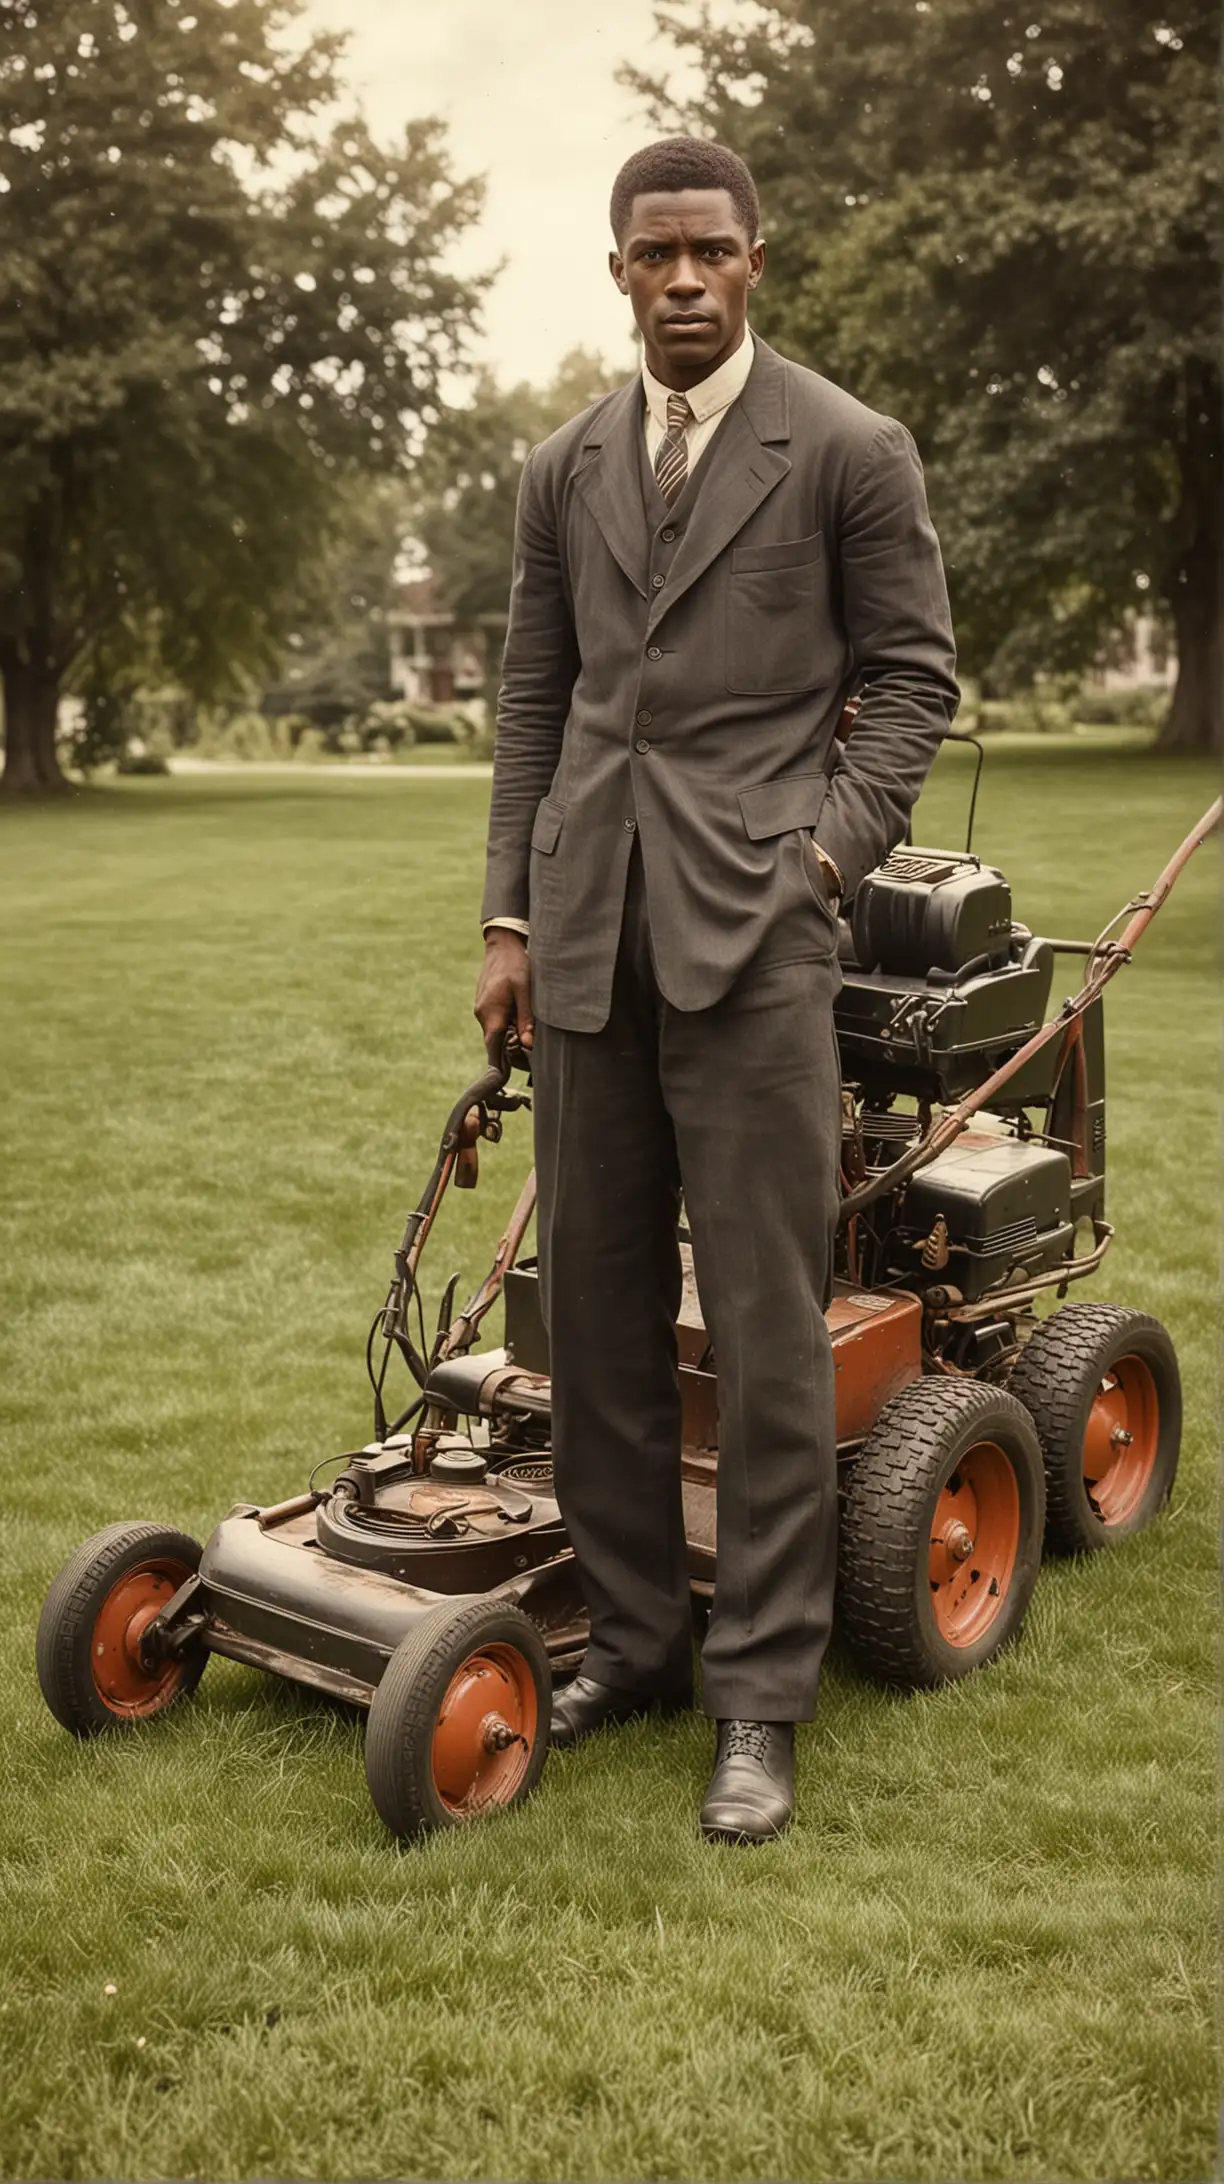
(687, 318)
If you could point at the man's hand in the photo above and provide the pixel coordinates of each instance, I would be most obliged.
(830, 875)
(503, 990)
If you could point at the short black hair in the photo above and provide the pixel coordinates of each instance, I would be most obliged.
(685, 163)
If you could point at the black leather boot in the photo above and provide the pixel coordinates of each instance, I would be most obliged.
(584, 1706)
(751, 1797)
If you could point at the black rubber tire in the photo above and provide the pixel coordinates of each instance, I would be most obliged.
(63, 1647)
(407, 1703)
(1057, 1376)
(884, 1590)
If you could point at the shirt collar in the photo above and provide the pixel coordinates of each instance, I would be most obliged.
(709, 396)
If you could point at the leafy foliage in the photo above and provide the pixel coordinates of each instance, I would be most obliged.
(466, 483)
(454, 511)
(1003, 225)
(335, 661)
(211, 310)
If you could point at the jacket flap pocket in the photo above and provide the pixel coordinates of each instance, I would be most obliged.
(547, 825)
(773, 807)
(786, 553)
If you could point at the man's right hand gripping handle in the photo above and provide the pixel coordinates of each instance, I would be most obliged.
(503, 990)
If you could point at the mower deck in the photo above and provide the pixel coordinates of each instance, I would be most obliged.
(284, 1589)
(274, 1599)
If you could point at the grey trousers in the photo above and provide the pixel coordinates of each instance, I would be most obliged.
(738, 1105)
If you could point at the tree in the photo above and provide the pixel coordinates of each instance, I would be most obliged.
(211, 314)
(336, 659)
(465, 484)
(1003, 225)
(454, 512)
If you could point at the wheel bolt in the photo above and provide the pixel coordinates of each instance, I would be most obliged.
(1121, 1438)
(496, 1734)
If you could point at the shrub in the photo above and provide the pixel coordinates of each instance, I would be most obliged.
(400, 722)
(100, 734)
(249, 736)
(442, 727)
(142, 762)
(1043, 709)
(1143, 705)
(388, 724)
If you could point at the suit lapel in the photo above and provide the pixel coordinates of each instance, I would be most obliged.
(744, 468)
(608, 481)
(744, 465)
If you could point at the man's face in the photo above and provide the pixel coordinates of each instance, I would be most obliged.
(687, 265)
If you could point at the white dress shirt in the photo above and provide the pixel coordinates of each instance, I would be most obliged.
(709, 402)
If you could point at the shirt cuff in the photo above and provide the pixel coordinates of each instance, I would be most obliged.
(512, 925)
(831, 867)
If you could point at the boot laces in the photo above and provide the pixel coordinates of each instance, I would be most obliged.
(746, 1740)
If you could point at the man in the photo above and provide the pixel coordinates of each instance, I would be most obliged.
(707, 562)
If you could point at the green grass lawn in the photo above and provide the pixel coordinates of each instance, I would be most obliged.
(235, 1013)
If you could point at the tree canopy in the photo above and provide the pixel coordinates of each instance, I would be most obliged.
(336, 661)
(214, 309)
(465, 485)
(1003, 225)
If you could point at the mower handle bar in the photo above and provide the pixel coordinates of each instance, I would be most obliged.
(485, 1088)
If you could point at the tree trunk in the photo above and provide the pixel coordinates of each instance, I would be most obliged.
(32, 660)
(31, 707)
(1196, 716)
(1194, 587)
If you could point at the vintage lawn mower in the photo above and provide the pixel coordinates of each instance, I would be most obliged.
(429, 1579)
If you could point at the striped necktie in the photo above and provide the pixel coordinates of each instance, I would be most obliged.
(671, 455)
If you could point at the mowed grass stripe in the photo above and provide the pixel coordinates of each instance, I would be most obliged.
(236, 1014)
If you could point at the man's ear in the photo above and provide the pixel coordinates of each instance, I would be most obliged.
(756, 263)
(616, 267)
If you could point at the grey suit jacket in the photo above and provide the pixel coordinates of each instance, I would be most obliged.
(799, 564)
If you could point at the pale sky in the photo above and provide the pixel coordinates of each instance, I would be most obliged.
(528, 93)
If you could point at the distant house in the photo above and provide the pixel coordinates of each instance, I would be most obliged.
(432, 661)
(1140, 655)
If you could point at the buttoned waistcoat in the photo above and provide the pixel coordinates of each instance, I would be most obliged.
(679, 673)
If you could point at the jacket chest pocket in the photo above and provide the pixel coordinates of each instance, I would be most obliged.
(776, 617)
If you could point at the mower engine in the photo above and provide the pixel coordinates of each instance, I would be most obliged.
(940, 987)
(455, 1529)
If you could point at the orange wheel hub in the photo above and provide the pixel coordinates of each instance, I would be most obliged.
(974, 1536)
(486, 1730)
(1121, 1440)
(123, 1681)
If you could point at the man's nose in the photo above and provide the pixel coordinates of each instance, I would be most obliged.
(686, 278)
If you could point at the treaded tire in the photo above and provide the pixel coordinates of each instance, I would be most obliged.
(905, 1473)
(1061, 1373)
(462, 1666)
(87, 1597)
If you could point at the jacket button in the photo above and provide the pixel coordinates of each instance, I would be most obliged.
(630, 824)
(658, 582)
(667, 536)
(644, 718)
(641, 744)
(654, 652)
